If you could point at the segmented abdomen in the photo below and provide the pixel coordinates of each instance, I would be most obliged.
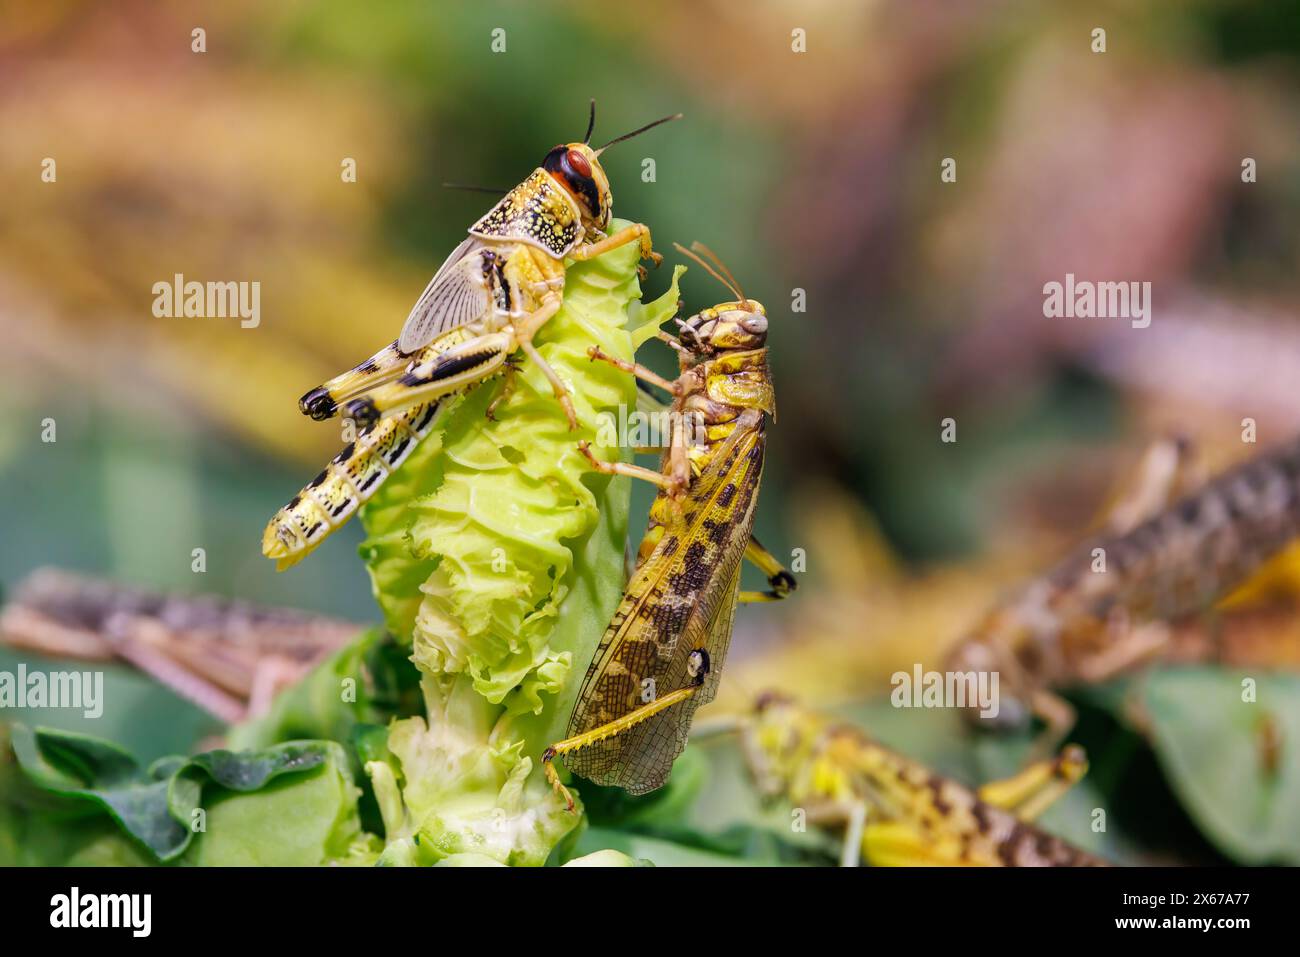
(956, 826)
(1199, 548)
(351, 478)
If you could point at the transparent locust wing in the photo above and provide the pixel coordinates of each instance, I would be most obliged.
(466, 287)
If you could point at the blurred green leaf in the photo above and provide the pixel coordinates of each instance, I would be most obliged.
(1215, 749)
(157, 805)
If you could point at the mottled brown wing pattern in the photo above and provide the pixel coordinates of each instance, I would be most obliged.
(640, 759)
(682, 598)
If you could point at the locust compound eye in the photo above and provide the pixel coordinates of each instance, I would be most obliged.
(754, 325)
(572, 168)
(578, 163)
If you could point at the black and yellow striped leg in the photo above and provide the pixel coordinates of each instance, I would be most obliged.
(385, 365)
(463, 365)
(778, 576)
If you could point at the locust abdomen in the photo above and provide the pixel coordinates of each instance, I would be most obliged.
(1201, 547)
(351, 478)
(1175, 564)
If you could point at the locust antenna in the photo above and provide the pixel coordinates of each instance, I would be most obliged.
(717, 261)
(729, 283)
(638, 131)
(591, 123)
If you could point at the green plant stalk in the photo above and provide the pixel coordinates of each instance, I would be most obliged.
(498, 554)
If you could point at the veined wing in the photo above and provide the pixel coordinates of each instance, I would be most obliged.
(465, 287)
(682, 598)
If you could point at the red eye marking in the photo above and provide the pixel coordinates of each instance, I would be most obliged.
(579, 163)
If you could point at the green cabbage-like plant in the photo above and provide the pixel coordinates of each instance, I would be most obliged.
(498, 554)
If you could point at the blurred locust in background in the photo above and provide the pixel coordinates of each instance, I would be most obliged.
(894, 811)
(488, 300)
(661, 656)
(1172, 547)
(228, 657)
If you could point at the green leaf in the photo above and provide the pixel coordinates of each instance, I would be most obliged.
(1214, 748)
(157, 805)
(287, 821)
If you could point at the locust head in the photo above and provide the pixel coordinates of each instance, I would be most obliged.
(736, 326)
(771, 741)
(989, 653)
(774, 738)
(576, 167)
(726, 327)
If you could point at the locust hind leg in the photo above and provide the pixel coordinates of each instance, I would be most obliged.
(385, 365)
(1170, 467)
(1032, 790)
(781, 582)
(697, 669)
(470, 362)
